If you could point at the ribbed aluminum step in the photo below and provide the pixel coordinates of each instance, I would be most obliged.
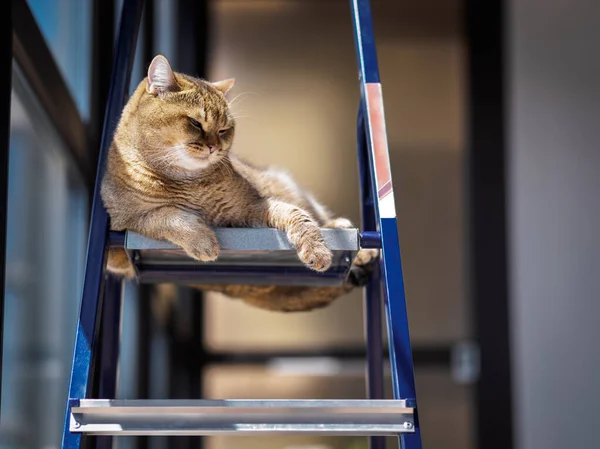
(241, 417)
(250, 256)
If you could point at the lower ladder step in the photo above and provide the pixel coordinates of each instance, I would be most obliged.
(239, 417)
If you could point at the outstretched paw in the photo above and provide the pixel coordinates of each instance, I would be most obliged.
(315, 255)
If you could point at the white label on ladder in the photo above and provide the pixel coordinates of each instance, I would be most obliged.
(379, 146)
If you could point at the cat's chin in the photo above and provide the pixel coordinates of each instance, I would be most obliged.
(190, 163)
(196, 165)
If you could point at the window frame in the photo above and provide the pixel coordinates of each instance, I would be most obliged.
(27, 57)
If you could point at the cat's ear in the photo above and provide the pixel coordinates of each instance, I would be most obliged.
(225, 85)
(161, 78)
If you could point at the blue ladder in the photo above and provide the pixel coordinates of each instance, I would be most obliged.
(95, 358)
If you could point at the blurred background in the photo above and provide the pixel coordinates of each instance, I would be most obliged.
(492, 111)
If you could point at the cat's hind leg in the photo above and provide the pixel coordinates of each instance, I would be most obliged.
(118, 263)
(362, 267)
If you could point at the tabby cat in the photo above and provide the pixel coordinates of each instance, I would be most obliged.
(170, 175)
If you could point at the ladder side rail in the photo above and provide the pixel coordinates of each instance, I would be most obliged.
(372, 294)
(403, 381)
(91, 299)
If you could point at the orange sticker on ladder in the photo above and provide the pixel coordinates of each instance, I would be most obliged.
(379, 147)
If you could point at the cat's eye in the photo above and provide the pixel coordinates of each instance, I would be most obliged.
(224, 131)
(195, 123)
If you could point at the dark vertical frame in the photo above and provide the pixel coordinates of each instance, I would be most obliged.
(5, 142)
(103, 31)
(111, 317)
(486, 173)
(108, 347)
(180, 330)
(192, 38)
(144, 337)
(145, 291)
(192, 57)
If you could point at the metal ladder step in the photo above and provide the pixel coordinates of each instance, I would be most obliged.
(240, 417)
(250, 256)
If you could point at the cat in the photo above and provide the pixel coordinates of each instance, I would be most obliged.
(170, 175)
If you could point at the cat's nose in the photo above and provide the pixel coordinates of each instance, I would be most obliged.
(212, 149)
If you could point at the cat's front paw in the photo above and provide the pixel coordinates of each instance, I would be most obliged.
(204, 247)
(315, 254)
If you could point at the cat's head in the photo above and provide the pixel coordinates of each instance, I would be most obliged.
(181, 123)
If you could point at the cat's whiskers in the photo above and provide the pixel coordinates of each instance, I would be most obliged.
(166, 158)
(233, 114)
(239, 114)
(222, 164)
(220, 167)
(250, 118)
(240, 96)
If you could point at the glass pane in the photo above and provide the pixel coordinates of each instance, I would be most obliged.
(444, 406)
(46, 236)
(67, 28)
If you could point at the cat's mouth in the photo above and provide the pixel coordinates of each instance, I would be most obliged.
(200, 151)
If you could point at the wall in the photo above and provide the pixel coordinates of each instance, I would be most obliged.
(554, 164)
(295, 67)
(296, 72)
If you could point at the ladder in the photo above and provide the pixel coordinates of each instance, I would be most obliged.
(244, 254)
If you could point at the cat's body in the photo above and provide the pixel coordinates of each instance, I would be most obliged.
(170, 175)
